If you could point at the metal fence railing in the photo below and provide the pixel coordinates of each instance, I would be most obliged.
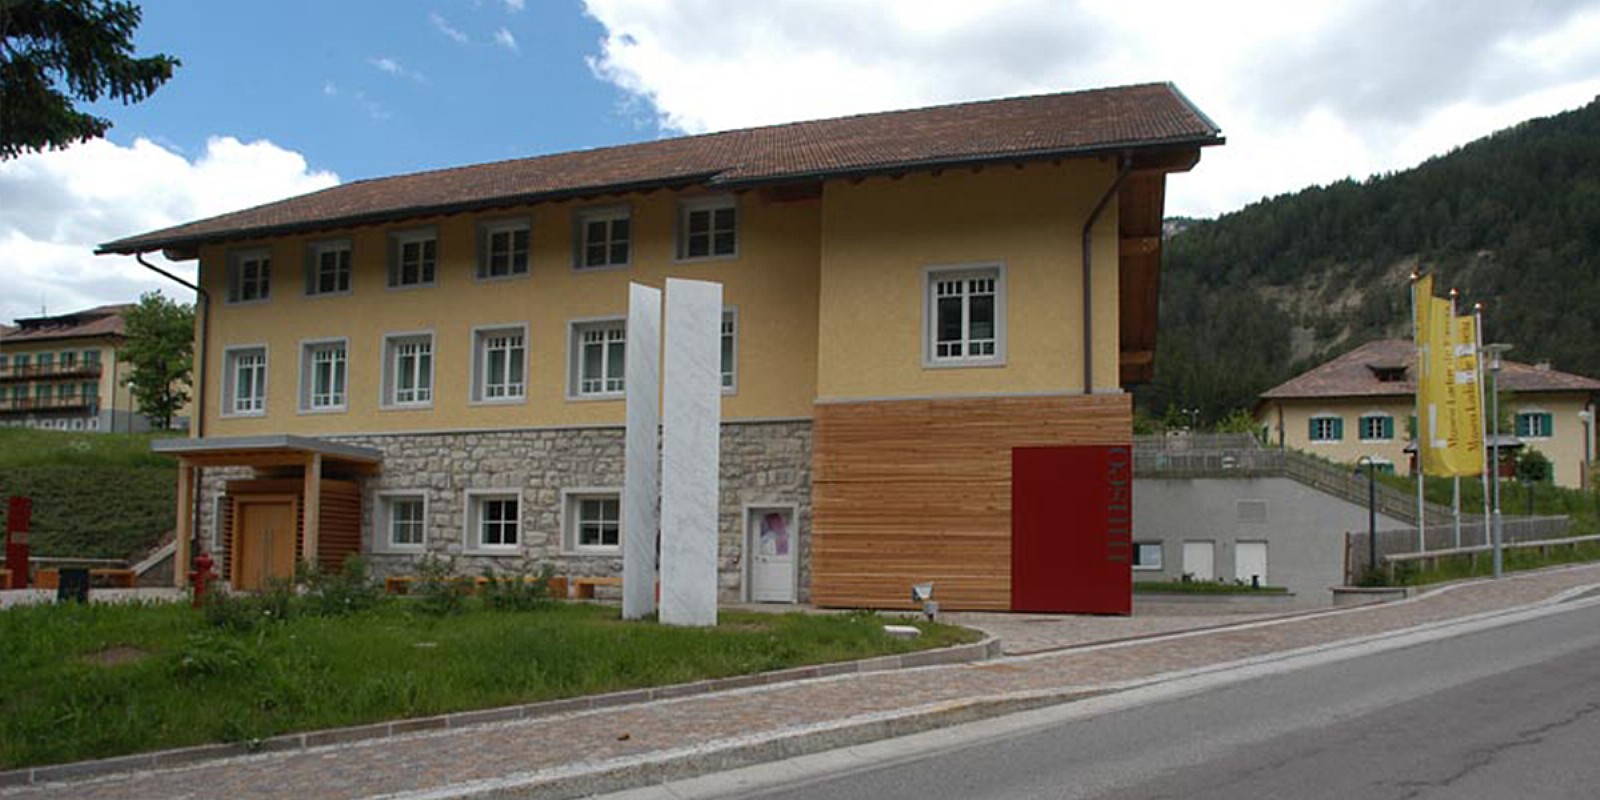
(1394, 546)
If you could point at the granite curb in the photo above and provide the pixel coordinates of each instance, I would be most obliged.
(982, 650)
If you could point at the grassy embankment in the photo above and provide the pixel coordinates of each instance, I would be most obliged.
(81, 682)
(95, 495)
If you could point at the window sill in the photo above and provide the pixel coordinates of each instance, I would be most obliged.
(406, 406)
(407, 287)
(498, 401)
(515, 276)
(596, 398)
(593, 552)
(320, 295)
(329, 410)
(242, 415)
(493, 552)
(734, 256)
(998, 361)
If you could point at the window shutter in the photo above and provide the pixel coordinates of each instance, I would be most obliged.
(1311, 429)
(1338, 428)
(310, 269)
(1549, 428)
(483, 250)
(1388, 427)
(392, 262)
(1522, 426)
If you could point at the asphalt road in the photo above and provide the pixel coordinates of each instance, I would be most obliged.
(1510, 712)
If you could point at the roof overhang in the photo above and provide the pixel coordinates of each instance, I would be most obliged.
(281, 450)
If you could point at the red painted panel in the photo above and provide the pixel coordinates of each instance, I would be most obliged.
(1072, 529)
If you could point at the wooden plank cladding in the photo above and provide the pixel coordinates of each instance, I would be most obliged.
(339, 517)
(909, 491)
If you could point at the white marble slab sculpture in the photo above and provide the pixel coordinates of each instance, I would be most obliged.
(691, 422)
(641, 483)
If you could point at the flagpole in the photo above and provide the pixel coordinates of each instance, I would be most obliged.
(1455, 499)
(1416, 329)
(1483, 424)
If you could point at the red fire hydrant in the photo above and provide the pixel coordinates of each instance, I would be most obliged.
(200, 576)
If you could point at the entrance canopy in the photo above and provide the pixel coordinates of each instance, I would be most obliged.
(309, 453)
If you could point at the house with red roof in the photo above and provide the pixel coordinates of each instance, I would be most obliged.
(62, 372)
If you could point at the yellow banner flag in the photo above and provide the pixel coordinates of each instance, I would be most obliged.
(1435, 391)
(1464, 455)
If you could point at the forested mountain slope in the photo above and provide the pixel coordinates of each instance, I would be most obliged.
(1512, 220)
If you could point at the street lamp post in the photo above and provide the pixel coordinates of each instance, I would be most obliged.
(1495, 352)
(1372, 512)
(1586, 416)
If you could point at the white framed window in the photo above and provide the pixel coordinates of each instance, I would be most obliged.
(708, 227)
(328, 267)
(1147, 556)
(1535, 424)
(503, 248)
(602, 238)
(598, 351)
(244, 390)
(323, 375)
(402, 522)
(1326, 428)
(965, 316)
(494, 520)
(408, 370)
(413, 256)
(249, 276)
(592, 520)
(499, 364)
(1376, 427)
(730, 351)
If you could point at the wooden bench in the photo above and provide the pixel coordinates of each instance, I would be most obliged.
(583, 586)
(99, 578)
(401, 584)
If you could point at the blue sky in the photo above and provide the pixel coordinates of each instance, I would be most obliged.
(367, 88)
(280, 98)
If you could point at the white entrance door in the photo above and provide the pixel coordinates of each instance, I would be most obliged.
(1199, 560)
(1250, 560)
(770, 541)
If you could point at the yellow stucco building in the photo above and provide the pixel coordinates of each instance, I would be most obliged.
(439, 355)
(1362, 404)
(63, 372)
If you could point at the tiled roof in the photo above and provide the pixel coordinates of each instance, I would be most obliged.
(98, 321)
(1043, 126)
(1355, 374)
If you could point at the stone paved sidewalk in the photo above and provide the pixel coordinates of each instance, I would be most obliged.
(564, 745)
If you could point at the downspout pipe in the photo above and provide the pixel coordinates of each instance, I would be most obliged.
(197, 420)
(1125, 166)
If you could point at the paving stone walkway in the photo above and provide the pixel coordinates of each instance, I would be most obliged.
(434, 761)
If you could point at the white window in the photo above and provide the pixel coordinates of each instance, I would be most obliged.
(965, 317)
(730, 351)
(402, 521)
(593, 520)
(323, 376)
(597, 358)
(708, 228)
(1147, 556)
(603, 238)
(493, 519)
(249, 276)
(245, 390)
(503, 249)
(412, 258)
(500, 364)
(1377, 427)
(328, 267)
(408, 370)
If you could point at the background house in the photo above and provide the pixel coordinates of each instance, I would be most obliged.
(1362, 403)
(432, 363)
(62, 372)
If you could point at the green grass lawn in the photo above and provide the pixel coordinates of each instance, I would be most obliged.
(93, 681)
(95, 495)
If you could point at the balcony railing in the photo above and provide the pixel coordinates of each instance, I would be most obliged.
(78, 369)
(34, 405)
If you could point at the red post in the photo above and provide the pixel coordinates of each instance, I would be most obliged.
(200, 576)
(19, 516)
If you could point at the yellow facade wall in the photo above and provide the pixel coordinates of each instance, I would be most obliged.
(1564, 447)
(880, 235)
(772, 282)
(112, 383)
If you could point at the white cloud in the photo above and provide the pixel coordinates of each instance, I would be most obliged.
(1306, 92)
(504, 38)
(393, 67)
(443, 26)
(60, 205)
(515, 5)
(330, 89)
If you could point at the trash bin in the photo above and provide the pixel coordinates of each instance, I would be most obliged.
(74, 585)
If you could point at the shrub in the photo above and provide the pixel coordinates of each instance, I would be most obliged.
(333, 594)
(521, 589)
(244, 612)
(439, 590)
